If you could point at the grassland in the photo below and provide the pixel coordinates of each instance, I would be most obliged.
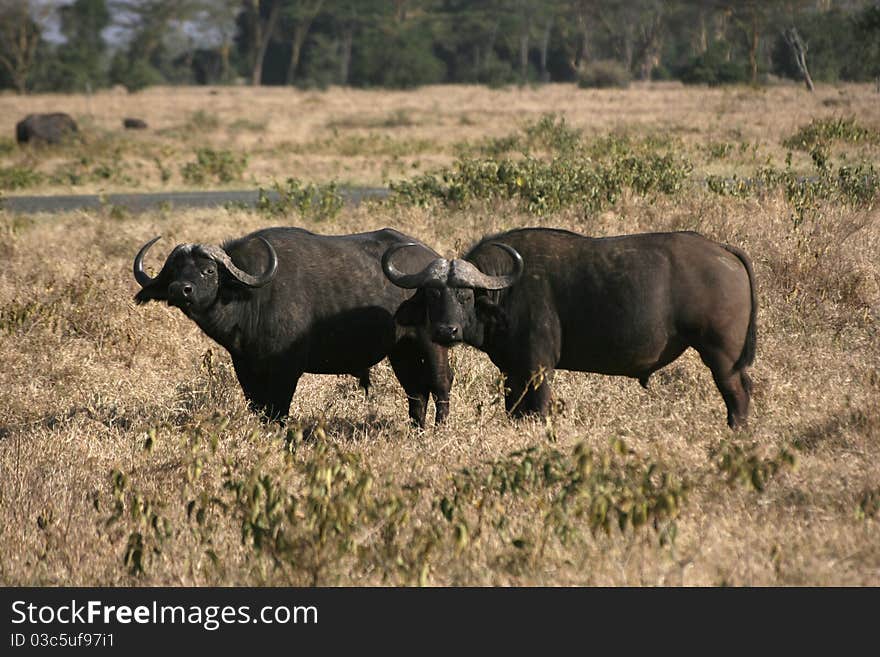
(370, 137)
(127, 454)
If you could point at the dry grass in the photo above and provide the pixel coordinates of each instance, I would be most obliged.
(370, 136)
(88, 378)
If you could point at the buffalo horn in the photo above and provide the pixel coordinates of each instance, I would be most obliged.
(436, 270)
(142, 277)
(466, 274)
(220, 256)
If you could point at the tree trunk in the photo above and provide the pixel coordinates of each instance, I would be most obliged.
(584, 56)
(799, 50)
(524, 54)
(300, 32)
(490, 43)
(262, 35)
(345, 54)
(20, 37)
(296, 44)
(753, 47)
(627, 50)
(702, 33)
(257, 38)
(651, 47)
(545, 46)
(224, 60)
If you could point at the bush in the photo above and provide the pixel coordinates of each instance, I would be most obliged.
(136, 75)
(820, 131)
(401, 61)
(315, 202)
(496, 72)
(19, 177)
(603, 74)
(202, 121)
(223, 166)
(712, 68)
(544, 187)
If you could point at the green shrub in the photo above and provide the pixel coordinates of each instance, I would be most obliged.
(743, 466)
(136, 75)
(16, 177)
(855, 185)
(202, 121)
(714, 68)
(550, 133)
(222, 166)
(313, 201)
(603, 74)
(819, 131)
(544, 187)
(240, 125)
(401, 60)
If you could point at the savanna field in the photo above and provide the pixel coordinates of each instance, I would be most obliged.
(128, 455)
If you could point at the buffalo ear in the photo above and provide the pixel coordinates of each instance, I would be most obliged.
(488, 312)
(151, 293)
(412, 311)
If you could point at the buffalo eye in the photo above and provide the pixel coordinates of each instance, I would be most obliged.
(208, 272)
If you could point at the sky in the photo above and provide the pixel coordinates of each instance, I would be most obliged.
(46, 13)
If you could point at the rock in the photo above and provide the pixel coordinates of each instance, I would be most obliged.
(45, 128)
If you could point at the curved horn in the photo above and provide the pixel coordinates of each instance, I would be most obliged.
(220, 256)
(436, 270)
(142, 277)
(466, 274)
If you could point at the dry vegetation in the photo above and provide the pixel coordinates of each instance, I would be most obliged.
(127, 455)
(370, 137)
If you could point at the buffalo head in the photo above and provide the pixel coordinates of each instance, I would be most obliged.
(451, 295)
(192, 275)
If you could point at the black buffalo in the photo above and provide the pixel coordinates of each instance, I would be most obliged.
(45, 128)
(540, 299)
(314, 303)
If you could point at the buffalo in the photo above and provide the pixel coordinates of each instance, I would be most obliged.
(285, 301)
(540, 299)
(45, 128)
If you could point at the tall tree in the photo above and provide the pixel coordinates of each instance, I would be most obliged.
(636, 29)
(753, 18)
(20, 38)
(80, 56)
(579, 25)
(262, 16)
(215, 27)
(154, 27)
(868, 27)
(297, 17)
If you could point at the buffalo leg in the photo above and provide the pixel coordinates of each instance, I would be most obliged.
(268, 393)
(364, 381)
(528, 393)
(440, 378)
(409, 366)
(734, 386)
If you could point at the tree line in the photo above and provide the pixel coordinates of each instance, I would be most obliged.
(89, 44)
